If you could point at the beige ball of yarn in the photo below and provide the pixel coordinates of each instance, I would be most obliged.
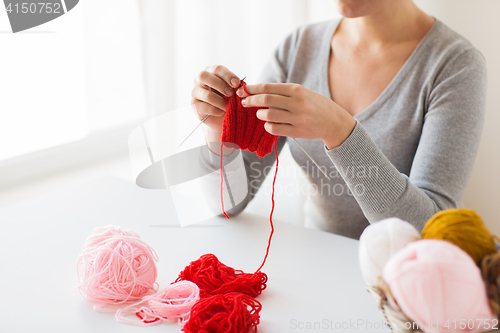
(379, 241)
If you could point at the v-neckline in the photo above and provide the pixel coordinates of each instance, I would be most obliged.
(391, 87)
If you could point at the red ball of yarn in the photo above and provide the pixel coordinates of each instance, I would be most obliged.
(228, 313)
(213, 277)
(242, 127)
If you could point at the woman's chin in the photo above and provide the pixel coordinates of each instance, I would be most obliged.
(359, 8)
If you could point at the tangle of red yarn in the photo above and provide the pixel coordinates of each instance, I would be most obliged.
(228, 313)
(213, 277)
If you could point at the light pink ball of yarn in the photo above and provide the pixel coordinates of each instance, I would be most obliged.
(116, 267)
(379, 241)
(436, 281)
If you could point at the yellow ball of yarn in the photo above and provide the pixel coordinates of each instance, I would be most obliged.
(464, 228)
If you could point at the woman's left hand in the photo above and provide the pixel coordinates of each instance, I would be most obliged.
(298, 112)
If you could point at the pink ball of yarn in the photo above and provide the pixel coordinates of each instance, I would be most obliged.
(171, 304)
(436, 282)
(116, 267)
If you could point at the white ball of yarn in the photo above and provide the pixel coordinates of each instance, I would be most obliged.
(379, 242)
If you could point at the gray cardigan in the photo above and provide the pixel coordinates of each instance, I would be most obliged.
(411, 152)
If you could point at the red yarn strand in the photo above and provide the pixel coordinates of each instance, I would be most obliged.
(242, 127)
(222, 180)
(245, 89)
(272, 211)
(141, 317)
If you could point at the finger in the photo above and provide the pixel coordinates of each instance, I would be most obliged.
(225, 74)
(241, 92)
(203, 109)
(284, 89)
(217, 92)
(274, 115)
(208, 80)
(269, 101)
(208, 96)
(280, 129)
(214, 122)
(198, 114)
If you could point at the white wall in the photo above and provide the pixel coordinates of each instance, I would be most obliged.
(478, 21)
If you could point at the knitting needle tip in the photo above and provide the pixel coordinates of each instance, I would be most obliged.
(312, 159)
(218, 93)
(201, 122)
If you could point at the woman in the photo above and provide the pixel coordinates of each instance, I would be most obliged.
(388, 100)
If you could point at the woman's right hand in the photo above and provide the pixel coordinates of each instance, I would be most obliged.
(209, 87)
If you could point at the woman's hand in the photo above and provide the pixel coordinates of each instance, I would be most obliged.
(298, 112)
(209, 87)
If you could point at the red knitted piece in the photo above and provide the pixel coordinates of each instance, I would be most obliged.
(213, 277)
(242, 127)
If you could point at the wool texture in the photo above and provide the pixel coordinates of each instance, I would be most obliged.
(379, 241)
(242, 128)
(169, 305)
(436, 281)
(490, 267)
(464, 228)
(229, 313)
(213, 277)
(116, 267)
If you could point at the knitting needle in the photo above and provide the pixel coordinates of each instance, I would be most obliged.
(203, 120)
(312, 159)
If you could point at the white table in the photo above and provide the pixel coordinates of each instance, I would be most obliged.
(313, 275)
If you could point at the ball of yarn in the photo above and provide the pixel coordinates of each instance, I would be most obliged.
(171, 304)
(379, 241)
(213, 277)
(464, 228)
(435, 281)
(229, 313)
(116, 267)
(490, 267)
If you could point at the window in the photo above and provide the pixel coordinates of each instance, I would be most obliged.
(73, 89)
(76, 75)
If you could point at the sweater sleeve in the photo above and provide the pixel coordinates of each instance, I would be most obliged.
(245, 174)
(444, 158)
